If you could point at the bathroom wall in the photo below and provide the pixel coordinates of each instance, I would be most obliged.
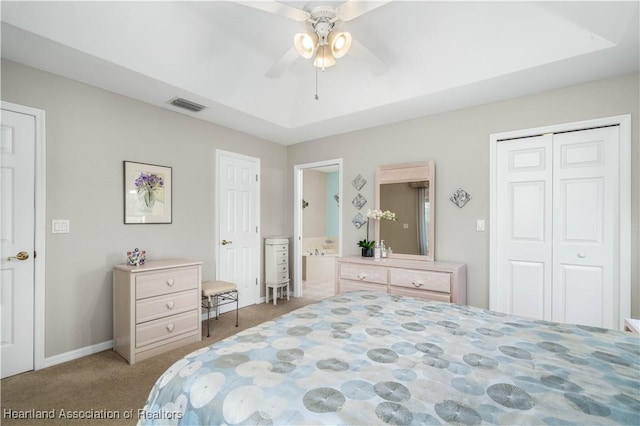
(332, 205)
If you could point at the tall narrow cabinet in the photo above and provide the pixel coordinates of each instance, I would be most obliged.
(276, 266)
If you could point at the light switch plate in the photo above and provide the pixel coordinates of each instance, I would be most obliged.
(480, 225)
(60, 226)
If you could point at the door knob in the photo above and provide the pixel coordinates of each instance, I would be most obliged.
(225, 242)
(23, 255)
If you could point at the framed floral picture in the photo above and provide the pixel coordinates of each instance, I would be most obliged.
(147, 193)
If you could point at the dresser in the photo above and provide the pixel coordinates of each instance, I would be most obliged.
(440, 281)
(276, 266)
(156, 307)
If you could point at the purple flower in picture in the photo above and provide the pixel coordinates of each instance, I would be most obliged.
(148, 184)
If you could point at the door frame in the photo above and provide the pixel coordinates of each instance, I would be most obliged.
(624, 193)
(298, 171)
(39, 228)
(256, 263)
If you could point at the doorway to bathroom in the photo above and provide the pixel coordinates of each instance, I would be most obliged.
(318, 227)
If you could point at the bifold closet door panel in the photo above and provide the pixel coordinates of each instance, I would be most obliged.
(524, 226)
(585, 227)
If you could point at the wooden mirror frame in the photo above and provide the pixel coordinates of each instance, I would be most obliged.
(409, 172)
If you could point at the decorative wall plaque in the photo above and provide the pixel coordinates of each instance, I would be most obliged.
(358, 182)
(359, 201)
(460, 197)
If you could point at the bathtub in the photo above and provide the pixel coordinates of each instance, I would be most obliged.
(318, 268)
(319, 258)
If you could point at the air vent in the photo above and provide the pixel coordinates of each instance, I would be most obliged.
(183, 103)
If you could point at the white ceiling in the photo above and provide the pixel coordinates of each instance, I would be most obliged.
(441, 56)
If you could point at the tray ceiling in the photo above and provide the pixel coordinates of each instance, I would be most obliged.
(441, 56)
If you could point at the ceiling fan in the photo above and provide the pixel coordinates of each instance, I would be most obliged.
(323, 40)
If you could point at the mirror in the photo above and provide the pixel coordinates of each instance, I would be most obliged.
(408, 190)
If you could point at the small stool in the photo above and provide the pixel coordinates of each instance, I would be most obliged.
(216, 294)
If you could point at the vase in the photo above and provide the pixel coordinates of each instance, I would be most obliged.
(367, 252)
(149, 198)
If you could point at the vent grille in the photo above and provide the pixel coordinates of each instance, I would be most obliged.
(183, 103)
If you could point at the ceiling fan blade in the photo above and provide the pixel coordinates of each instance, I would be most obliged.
(352, 9)
(281, 65)
(278, 9)
(374, 64)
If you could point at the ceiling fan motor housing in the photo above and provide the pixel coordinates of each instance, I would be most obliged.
(323, 13)
(322, 20)
(322, 29)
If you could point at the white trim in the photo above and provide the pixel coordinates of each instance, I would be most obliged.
(40, 229)
(624, 260)
(258, 245)
(77, 353)
(297, 215)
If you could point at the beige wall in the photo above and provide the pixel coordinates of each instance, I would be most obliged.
(458, 141)
(89, 133)
(314, 191)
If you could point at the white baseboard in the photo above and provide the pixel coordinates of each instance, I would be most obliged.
(77, 353)
(94, 349)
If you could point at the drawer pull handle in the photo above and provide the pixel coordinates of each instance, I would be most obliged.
(417, 283)
(170, 305)
(170, 327)
(362, 276)
(170, 282)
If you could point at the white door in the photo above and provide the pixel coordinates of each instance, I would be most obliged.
(585, 233)
(557, 227)
(17, 224)
(238, 224)
(524, 191)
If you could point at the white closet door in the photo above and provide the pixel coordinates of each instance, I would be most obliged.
(558, 228)
(524, 216)
(585, 217)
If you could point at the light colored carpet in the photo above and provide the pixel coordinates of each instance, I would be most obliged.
(104, 384)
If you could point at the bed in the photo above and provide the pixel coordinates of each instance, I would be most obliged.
(370, 358)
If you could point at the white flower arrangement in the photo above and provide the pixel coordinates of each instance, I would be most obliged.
(379, 214)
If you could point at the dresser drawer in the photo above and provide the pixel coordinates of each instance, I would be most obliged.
(366, 273)
(164, 328)
(157, 307)
(164, 282)
(420, 294)
(280, 260)
(281, 248)
(282, 269)
(282, 276)
(347, 286)
(420, 280)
